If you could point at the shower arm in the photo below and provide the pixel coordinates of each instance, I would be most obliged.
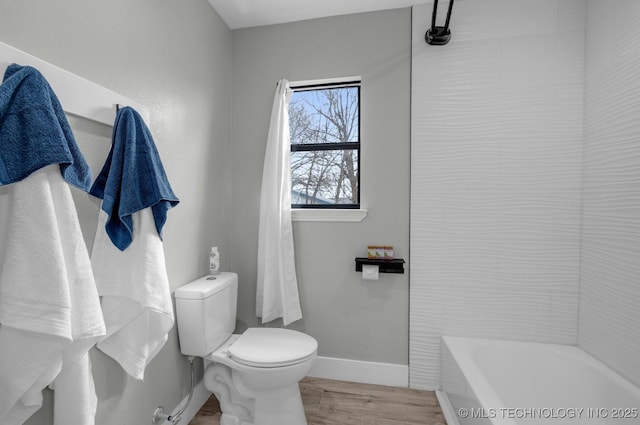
(446, 23)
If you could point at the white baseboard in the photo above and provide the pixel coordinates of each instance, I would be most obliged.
(394, 375)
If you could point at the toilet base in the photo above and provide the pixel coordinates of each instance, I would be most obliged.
(236, 408)
(242, 406)
(282, 407)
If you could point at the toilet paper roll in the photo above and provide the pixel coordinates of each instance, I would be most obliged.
(369, 272)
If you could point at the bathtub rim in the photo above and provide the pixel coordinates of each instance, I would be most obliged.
(484, 392)
(448, 411)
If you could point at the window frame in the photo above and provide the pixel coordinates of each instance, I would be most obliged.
(357, 146)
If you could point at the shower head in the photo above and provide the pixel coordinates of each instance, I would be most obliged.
(437, 35)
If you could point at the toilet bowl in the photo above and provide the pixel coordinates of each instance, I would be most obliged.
(255, 374)
(268, 391)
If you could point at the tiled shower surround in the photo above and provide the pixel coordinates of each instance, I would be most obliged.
(525, 183)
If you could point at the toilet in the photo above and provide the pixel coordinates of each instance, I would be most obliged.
(255, 374)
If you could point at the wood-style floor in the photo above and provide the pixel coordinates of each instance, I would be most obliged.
(329, 402)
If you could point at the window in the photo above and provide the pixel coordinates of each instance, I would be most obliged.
(324, 123)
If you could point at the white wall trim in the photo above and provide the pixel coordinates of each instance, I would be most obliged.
(77, 95)
(344, 215)
(394, 375)
(322, 81)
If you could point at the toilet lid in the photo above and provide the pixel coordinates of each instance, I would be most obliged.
(272, 347)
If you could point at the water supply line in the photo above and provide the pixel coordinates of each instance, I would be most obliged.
(159, 415)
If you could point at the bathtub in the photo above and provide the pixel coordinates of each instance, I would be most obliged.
(494, 382)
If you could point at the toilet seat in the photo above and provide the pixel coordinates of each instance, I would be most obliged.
(272, 347)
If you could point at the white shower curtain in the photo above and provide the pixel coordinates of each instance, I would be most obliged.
(277, 291)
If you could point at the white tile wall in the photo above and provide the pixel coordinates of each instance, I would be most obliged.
(497, 131)
(610, 281)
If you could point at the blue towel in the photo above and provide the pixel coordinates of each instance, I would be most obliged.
(132, 179)
(34, 132)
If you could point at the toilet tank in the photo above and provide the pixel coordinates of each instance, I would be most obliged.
(206, 313)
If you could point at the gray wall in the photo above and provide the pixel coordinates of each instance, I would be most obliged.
(351, 318)
(175, 59)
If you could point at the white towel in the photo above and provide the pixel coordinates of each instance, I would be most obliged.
(136, 298)
(78, 403)
(49, 305)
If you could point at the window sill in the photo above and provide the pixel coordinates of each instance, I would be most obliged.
(336, 215)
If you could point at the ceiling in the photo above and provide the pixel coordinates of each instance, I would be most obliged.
(253, 13)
